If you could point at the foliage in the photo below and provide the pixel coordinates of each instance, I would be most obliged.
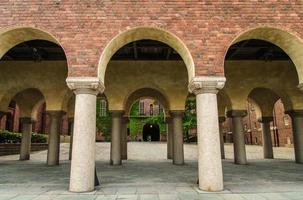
(189, 119)
(137, 122)
(9, 137)
(103, 123)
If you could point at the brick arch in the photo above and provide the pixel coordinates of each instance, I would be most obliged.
(141, 33)
(290, 43)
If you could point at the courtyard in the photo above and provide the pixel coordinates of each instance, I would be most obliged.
(147, 174)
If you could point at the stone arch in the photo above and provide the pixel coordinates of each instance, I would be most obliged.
(12, 36)
(224, 103)
(266, 98)
(27, 100)
(145, 92)
(291, 44)
(141, 33)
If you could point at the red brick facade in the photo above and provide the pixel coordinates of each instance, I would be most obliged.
(206, 27)
(253, 131)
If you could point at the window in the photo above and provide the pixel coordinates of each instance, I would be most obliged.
(141, 107)
(151, 109)
(103, 108)
(286, 120)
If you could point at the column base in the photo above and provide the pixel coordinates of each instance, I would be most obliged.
(25, 158)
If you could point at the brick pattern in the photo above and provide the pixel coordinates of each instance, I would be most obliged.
(207, 27)
(253, 130)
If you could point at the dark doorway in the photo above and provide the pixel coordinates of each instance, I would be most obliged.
(151, 132)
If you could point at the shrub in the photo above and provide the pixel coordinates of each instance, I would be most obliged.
(9, 137)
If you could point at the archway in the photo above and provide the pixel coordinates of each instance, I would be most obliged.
(261, 63)
(151, 132)
(145, 33)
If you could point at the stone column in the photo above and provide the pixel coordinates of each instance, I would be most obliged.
(26, 129)
(178, 152)
(124, 138)
(71, 126)
(82, 175)
(221, 121)
(116, 138)
(170, 142)
(297, 125)
(266, 135)
(238, 135)
(54, 137)
(209, 155)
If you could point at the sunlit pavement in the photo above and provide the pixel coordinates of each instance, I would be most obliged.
(147, 174)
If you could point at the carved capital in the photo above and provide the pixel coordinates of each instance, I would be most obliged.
(206, 84)
(85, 85)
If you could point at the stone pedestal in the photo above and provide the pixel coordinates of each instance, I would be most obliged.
(266, 136)
(178, 151)
(170, 141)
(297, 125)
(238, 135)
(221, 121)
(124, 138)
(116, 138)
(54, 137)
(82, 175)
(71, 126)
(26, 129)
(209, 154)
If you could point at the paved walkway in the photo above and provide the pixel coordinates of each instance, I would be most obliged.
(148, 175)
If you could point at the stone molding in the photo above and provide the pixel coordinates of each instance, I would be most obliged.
(236, 113)
(267, 119)
(26, 120)
(222, 119)
(206, 84)
(294, 113)
(85, 85)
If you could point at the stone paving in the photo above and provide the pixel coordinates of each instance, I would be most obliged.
(148, 175)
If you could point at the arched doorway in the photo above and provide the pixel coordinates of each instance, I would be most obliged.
(151, 132)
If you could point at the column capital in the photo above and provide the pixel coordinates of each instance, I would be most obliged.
(176, 113)
(294, 113)
(117, 113)
(206, 84)
(236, 113)
(222, 119)
(266, 119)
(85, 85)
(55, 113)
(26, 120)
(2, 114)
(70, 119)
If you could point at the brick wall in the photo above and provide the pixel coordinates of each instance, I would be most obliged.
(253, 130)
(207, 27)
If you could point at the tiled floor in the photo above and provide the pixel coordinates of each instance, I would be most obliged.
(148, 175)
